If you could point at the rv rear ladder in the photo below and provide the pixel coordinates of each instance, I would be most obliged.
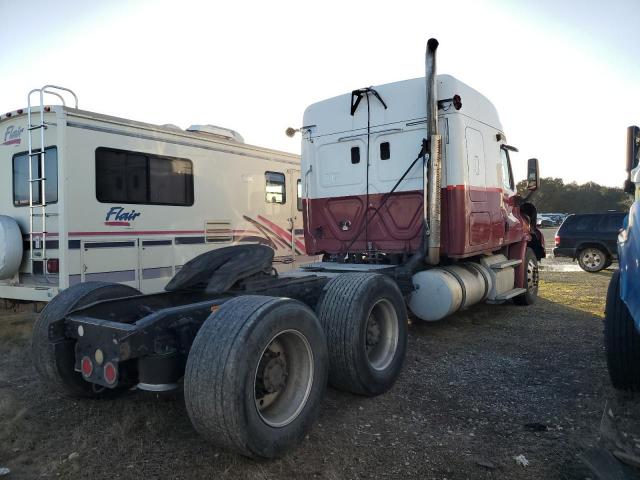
(38, 250)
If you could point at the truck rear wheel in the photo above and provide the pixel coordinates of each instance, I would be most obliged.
(621, 340)
(531, 279)
(365, 319)
(256, 374)
(53, 354)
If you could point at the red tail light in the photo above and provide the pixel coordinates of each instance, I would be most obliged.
(110, 373)
(53, 265)
(557, 239)
(86, 366)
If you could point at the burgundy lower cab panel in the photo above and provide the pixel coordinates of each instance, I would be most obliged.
(468, 227)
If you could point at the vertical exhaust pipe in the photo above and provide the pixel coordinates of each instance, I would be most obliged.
(432, 174)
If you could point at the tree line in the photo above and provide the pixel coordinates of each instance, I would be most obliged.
(556, 196)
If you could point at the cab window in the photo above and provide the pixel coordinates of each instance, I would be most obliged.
(507, 175)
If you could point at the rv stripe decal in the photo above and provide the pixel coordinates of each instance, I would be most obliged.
(132, 232)
(282, 233)
(109, 245)
(119, 276)
(155, 243)
(189, 240)
(158, 272)
(270, 234)
(51, 245)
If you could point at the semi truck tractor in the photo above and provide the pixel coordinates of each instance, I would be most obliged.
(622, 312)
(409, 199)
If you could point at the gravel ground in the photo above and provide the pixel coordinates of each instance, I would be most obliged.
(478, 390)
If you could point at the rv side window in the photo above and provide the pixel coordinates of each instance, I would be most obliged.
(507, 176)
(299, 190)
(21, 177)
(275, 187)
(130, 177)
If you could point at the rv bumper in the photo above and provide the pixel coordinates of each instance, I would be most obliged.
(33, 294)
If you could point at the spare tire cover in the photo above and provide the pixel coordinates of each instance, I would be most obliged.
(10, 247)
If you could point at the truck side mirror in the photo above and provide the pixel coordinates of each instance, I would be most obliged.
(633, 157)
(533, 175)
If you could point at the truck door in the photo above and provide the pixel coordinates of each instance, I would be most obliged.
(479, 216)
(512, 226)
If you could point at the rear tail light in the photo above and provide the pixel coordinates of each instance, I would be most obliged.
(557, 240)
(110, 373)
(53, 265)
(86, 366)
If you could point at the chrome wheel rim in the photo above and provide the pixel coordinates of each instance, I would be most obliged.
(382, 333)
(283, 378)
(592, 259)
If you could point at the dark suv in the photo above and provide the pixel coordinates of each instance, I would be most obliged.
(591, 238)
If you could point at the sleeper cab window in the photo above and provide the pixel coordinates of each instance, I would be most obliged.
(275, 187)
(141, 178)
(21, 177)
(385, 151)
(355, 155)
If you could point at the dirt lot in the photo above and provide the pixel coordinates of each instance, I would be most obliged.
(477, 390)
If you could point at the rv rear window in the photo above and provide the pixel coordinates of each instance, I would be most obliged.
(132, 177)
(21, 177)
(275, 187)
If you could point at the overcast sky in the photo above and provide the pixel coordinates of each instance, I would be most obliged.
(564, 76)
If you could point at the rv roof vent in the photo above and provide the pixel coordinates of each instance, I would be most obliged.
(217, 131)
(171, 126)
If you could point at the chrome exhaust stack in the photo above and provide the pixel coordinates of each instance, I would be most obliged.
(432, 171)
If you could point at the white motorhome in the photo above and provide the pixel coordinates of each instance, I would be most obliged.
(131, 202)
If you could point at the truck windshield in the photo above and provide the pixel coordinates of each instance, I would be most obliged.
(21, 177)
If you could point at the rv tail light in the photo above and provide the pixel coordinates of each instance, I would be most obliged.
(86, 366)
(53, 265)
(557, 240)
(457, 102)
(110, 373)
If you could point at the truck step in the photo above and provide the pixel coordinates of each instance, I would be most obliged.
(510, 294)
(506, 264)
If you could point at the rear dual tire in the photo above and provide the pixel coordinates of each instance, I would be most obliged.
(365, 320)
(256, 375)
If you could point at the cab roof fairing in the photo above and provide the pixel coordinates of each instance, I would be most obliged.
(405, 100)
